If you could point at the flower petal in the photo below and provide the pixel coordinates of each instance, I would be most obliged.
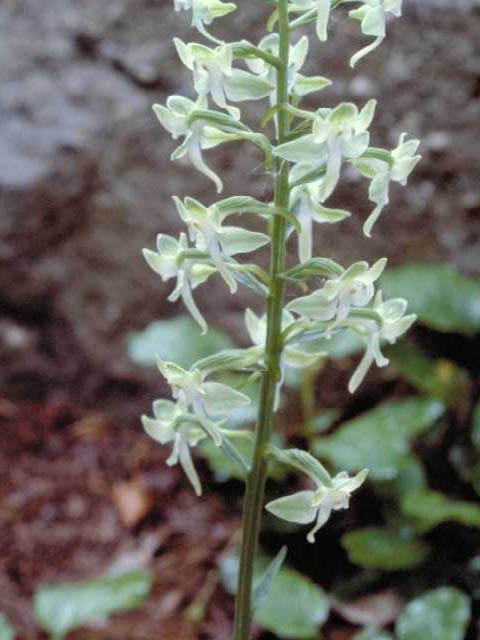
(157, 430)
(294, 508)
(220, 398)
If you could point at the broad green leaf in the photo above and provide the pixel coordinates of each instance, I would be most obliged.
(411, 476)
(377, 548)
(441, 379)
(64, 607)
(322, 421)
(177, 340)
(430, 508)
(476, 427)
(440, 614)
(442, 298)
(6, 630)
(294, 608)
(379, 439)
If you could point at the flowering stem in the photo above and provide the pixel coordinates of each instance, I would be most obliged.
(255, 489)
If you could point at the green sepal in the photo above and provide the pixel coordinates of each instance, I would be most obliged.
(314, 267)
(311, 176)
(229, 359)
(217, 119)
(247, 51)
(302, 461)
(246, 204)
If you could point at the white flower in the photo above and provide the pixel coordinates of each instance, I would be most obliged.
(206, 230)
(174, 118)
(207, 400)
(213, 75)
(291, 356)
(341, 133)
(372, 15)
(305, 203)
(402, 162)
(316, 506)
(299, 84)
(167, 262)
(354, 288)
(171, 424)
(394, 323)
(323, 13)
(204, 12)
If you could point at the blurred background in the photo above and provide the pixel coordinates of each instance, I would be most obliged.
(85, 184)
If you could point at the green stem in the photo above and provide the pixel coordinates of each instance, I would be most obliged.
(255, 489)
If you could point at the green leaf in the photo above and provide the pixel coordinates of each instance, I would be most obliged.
(442, 614)
(379, 439)
(263, 584)
(6, 630)
(438, 378)
(322, 421)
(411, 476)
(430, 508)
(64, 607)
(177, 340)
(442, 298)
(377, 548)
(294, 608)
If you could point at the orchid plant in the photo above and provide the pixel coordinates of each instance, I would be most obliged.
(305, 154)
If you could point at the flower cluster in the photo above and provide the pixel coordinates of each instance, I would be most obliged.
(196, 413)
(306, 158)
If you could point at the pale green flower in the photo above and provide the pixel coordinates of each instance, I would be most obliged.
(323, 13)
(171, 424)
(316, 506)
(305, 203)
(299, 84)
(206, 400)
(354, 288)
(373, 15)
(394, 323)
(402, 162)
(168, 263)
(206, 230)
(174, 117)
(204, 12)
(336, 134)
(213, 75)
